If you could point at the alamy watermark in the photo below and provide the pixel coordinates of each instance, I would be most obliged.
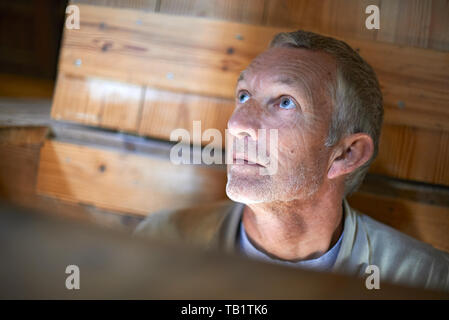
(373, 20)
(258, 148)
(72, 282)
(373, 280)
(73, 19)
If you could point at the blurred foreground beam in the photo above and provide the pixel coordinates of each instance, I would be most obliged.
(36, 249)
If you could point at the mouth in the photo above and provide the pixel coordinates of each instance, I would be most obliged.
(243, 160)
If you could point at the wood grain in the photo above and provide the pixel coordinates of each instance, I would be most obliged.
(191, 76)
(338, 18)
(104, 103)
(158, 53)
(165, 111)
(246, 11)
(20, 150)
(207, 60)
(415, 27)
(412, 23)
(413, 153)
(19, 136)
(25, 112)
(425, 222)
(147, 5)
(439, 25)
(122, 181)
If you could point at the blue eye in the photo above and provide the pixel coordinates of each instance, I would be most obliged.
(243, 97)
(287, 103)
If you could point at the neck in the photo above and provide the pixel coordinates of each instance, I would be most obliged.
(298, 229)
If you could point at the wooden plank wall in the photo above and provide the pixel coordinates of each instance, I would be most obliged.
(24, 128)
(136, 69)
(122, 181)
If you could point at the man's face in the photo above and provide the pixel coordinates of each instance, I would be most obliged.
(284, 89)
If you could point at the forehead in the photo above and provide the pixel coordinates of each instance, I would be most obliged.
(291, 66)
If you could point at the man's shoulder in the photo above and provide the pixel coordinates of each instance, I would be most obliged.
(401, 256)
(198, 225)
(393, 239)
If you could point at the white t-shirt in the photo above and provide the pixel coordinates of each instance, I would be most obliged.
(322, 263)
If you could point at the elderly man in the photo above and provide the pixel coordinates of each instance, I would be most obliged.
(326, 104)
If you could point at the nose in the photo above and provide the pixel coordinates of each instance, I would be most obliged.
(244, 122)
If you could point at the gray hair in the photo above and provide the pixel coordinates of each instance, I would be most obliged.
(357, 99)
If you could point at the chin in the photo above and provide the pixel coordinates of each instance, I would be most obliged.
(244, 194)
(243, 199)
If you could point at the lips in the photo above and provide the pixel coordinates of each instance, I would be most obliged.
(242, 159)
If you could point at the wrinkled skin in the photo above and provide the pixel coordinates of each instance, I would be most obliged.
(302, 130)
(295, 213)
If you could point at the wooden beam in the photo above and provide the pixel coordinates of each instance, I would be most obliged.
(147, 5)
(122, 181)
(19, 136)
(25, 112)
(20, 150)
(409, 190)
(246, 11)
(409, 23)
(165, 111)
(428, 223)
(413, 153)
(116, 266)
(108, 104)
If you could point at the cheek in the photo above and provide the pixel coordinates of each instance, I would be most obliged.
(293, 140)
(296, 142)
(291, 150)
(298, 148)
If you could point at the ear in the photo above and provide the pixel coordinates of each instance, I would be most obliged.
(353, 152)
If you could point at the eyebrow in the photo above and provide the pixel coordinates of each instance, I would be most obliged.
(296, 83)
(282, 79)
(288, 80)
(241, 76)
